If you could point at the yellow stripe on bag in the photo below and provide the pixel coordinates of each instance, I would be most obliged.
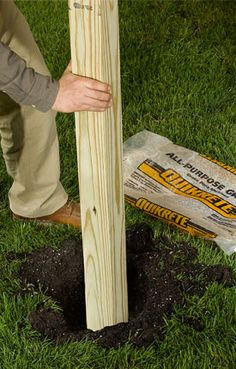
(170, 217)
(173, 181)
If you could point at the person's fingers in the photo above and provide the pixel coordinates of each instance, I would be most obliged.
(93, 84)
(98, 95)
(95, 103)
(92, 109)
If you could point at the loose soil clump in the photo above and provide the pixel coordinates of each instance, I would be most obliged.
(160, 275)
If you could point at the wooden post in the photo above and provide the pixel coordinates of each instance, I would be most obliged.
(95, 53)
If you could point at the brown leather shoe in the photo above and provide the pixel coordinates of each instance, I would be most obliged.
(67, 214)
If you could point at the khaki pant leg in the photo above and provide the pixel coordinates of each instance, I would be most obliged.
(28, 137)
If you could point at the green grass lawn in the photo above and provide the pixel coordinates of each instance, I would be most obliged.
(178, 61)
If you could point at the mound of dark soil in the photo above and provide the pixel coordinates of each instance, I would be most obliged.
(160, 275)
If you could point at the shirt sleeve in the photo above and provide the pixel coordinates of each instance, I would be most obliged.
(23, 84)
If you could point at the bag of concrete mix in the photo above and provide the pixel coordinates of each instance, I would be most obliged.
(181, 187)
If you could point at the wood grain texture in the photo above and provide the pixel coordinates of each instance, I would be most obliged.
(95, 53)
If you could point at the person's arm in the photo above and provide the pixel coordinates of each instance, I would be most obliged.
(24, 85)
(70, 94)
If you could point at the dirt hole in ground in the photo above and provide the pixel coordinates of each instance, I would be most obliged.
(160, 276)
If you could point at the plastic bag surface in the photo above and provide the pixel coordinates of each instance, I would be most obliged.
(181, 187)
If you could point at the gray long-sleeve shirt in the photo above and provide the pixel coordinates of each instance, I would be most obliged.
(23, 84)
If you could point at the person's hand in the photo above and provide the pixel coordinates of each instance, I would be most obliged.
(77, 93)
